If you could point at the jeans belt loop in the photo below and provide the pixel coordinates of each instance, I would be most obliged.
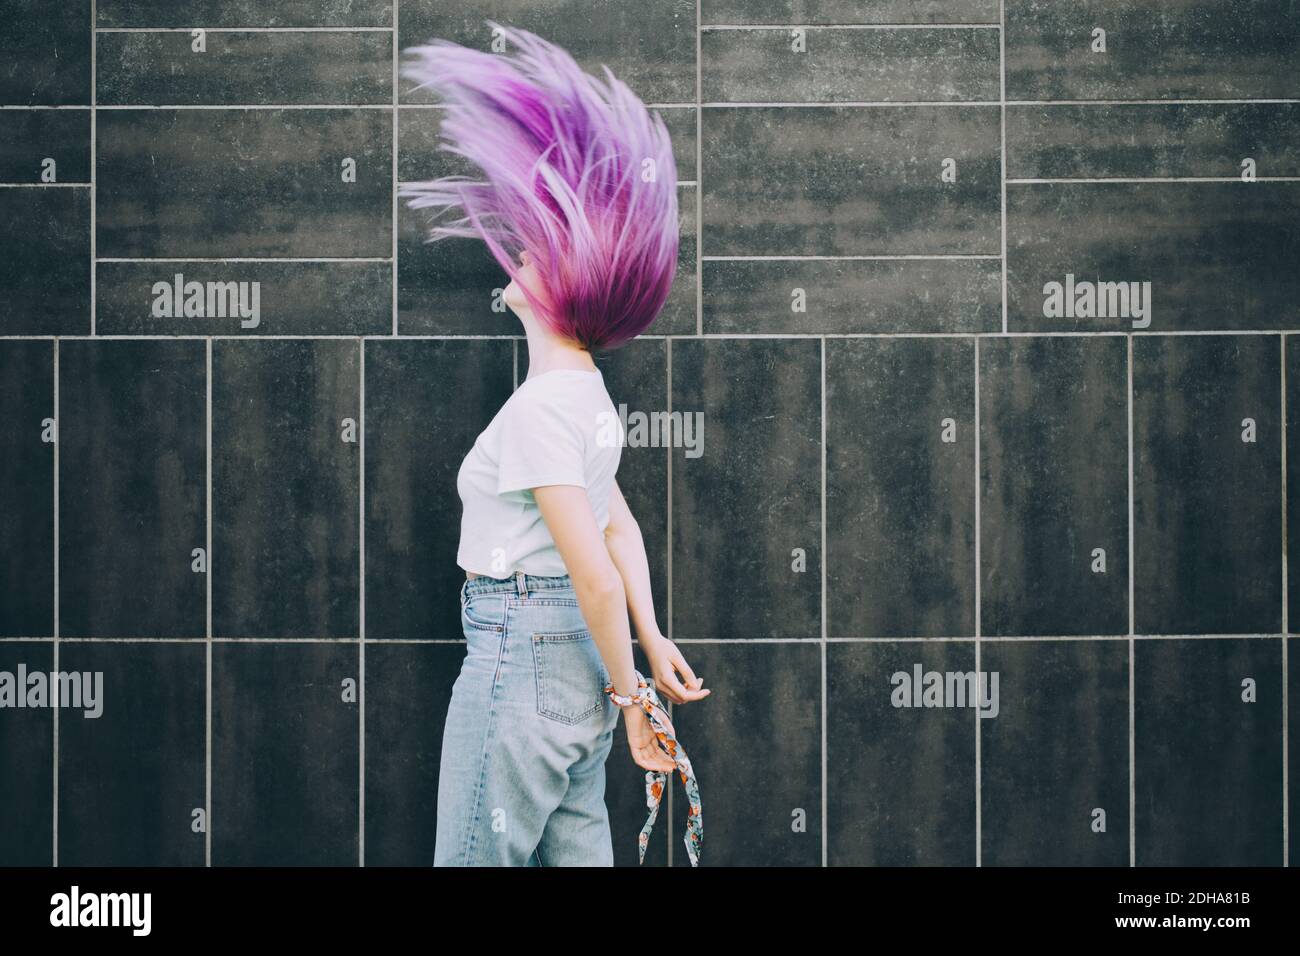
(520, 584)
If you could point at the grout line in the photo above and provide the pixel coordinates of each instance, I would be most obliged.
(361, 615)
(1157, 179)
(94, 135)
(831, 639)
(1132, 644)
(1286, 703)
(992, 255)
(850, 26)
(717, 336)
(668, 448)
(1002, 93)
(1172, 101)
(699, 177)
(514, 359)
(244, 29)
(58, 440)
(979, 768)
(207, 783)
(823, 562)
(396, 179)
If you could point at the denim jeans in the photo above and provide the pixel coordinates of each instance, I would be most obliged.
(529, 727)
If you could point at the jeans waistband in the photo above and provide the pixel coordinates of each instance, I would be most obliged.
(520, 583)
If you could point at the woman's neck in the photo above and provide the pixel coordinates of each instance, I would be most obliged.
(548, 352)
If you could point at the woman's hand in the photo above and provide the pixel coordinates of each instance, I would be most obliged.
(642, 741)
(666, 662)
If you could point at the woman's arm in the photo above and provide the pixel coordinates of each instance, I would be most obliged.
(626, 549)
(601, 598)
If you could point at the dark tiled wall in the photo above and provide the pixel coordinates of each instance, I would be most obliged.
(250, 529)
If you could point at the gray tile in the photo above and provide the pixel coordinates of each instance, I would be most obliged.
(900, 780)
(746, 522)
(851, 181)
(900, 501)
(285, 489)
(245, 13)
(1208, 764)
(26, 489)
(132, 488)
(285, 760)
(1054, 762)
(834, 66)
(414, 450)
(755, 812)
(45, 261)
(31, 139)
(1217, 255)
(1141, 140)
(649, 46)
(48, 62)
(27, 766)
(408, 690)
(1054, 489)
(131, 779)
(244, 68)
(1292, 438)
(1207, 521)
(636, 377)
(783, 12)
(852, 295)
(1189, 50)
(292, 298)
(256, 183)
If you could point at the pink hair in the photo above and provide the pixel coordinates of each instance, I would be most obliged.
(563, 158)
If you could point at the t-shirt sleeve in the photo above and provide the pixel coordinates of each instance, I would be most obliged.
(540, 445)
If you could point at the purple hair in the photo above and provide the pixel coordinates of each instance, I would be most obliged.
(575, 171)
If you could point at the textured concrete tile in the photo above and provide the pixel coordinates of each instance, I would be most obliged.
(45, 261)
(47, 62)
(1054, 767)
(852, 295)
(26, 489)
(132, 488)
(746, 510)
(27, 767)
(1191, 49)
(1216, 255)
(285, 488)
(284, 755)
(848, 11)
(900, 781)
(649, 46)
(255, 183)
(1152, 140)
(245, 13)
(831, 65)
(131, 778)
(1054, 486)
(244, 68)
(1209, 763)
(49, 146)
(1207, 522)
(851, 181)
(900, 497)
(755, 812)
(414, 450)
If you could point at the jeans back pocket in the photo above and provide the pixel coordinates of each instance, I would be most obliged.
(570, 675)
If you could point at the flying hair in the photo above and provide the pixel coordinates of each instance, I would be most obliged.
(568, 167)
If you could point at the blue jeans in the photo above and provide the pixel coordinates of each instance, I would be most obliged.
(529, 727)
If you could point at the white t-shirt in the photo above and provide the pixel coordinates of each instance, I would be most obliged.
(558, 428)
